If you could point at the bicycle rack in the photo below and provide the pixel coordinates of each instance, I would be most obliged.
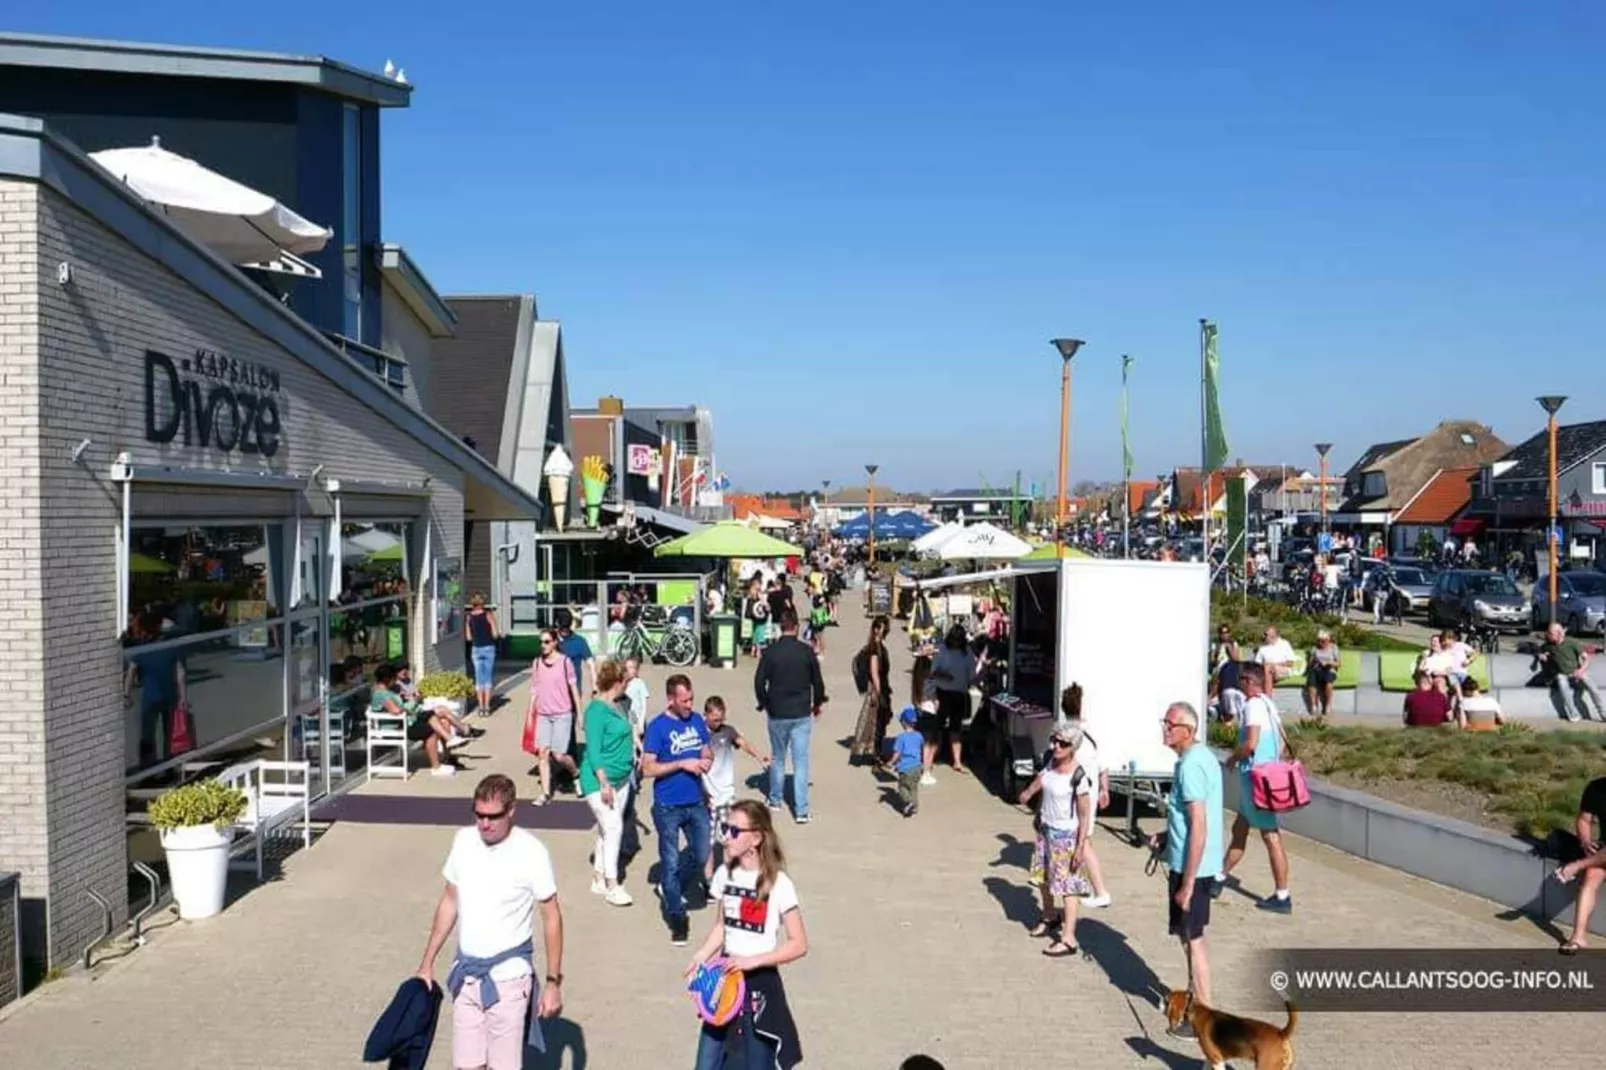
(106, 927)
(155, 882)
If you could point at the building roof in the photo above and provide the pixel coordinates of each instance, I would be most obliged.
(1440, 498)
(977, 494)
(1138, 493)
(414, 289)
(181, 61)
(1375, 455)
(743, 506)
(1408, 467)
(1575, 444)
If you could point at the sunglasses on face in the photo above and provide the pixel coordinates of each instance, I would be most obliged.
(1059, 743)
(730, 832)
(494, 815)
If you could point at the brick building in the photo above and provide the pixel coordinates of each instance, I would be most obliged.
(210, 500)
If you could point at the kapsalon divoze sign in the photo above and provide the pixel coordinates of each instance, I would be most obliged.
(213, 401)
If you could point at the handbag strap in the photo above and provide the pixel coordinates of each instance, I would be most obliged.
(1283, 742)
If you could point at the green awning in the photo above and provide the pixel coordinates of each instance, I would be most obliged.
(728, 538)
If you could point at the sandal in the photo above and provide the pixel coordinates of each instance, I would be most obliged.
(1571, 947)
(1059, 949)
(1046, 925)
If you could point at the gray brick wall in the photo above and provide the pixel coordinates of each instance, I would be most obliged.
(10, 971)
(72, 362)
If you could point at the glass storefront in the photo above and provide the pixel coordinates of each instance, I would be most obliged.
(235, 648)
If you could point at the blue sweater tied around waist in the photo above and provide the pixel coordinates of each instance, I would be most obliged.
(466, 966)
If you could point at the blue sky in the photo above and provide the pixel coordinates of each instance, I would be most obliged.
(850, 229)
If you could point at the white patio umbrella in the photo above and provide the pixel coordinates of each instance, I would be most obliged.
(931, 540)
(234, 221)
(983, 542)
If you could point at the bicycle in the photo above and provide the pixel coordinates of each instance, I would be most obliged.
(651, 636)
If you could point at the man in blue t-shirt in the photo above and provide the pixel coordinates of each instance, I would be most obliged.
(1192, 840)
(578, 651)
(675, 755)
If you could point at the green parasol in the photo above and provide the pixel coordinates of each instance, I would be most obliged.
(145, 563)
(391, 553)
(728, 538)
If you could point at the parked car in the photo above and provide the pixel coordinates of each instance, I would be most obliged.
(1414, 585)
(1468, 598)
(1580, 602)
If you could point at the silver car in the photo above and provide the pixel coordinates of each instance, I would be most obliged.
(1580, 602)
(1466, 597)
(1413, 585)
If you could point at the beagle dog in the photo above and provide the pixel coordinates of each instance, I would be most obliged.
(1224, 1036)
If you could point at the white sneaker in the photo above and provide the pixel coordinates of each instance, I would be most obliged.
(455, 742)
(618, 897)
(927, 780)
(598, 885)
(1096, 901)
(443, 770)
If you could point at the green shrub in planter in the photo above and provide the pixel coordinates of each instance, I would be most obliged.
(448, 685)
(205, 802)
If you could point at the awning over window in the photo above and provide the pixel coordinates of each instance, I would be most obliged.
(1467, 525)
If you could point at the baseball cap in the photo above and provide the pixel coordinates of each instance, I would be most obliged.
(909, 715)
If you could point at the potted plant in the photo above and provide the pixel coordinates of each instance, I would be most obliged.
(452, 689)
(197, 823)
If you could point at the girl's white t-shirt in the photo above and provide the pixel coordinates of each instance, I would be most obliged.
(752, 925)
(1059, 805)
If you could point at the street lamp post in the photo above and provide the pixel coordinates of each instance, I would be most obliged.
(826, 512)
(870, 495)
(1321, 484)
(1126, 471)
(1551, 403)
(1067, 349)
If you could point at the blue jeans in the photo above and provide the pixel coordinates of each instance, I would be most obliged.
(711, 1050)
(484, 666)
(668, 822)
(790, 734)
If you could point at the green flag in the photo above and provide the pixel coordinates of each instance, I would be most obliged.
(1126, 443)
(1215, 436)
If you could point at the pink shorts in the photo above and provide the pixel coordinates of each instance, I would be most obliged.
(490, 1038)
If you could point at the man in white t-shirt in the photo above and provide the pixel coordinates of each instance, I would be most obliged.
(496, 875)
(1276, 655)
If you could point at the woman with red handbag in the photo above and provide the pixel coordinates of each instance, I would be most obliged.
(1260, 741)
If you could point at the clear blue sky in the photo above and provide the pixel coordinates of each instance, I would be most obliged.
(850, 229)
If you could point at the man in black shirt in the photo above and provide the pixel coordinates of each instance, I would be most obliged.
(1589, 870)
(790, 689)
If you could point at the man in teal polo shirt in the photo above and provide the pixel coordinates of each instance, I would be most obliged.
(1192, 839)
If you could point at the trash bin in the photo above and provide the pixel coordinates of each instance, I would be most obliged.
(395, 640)
(724, 633)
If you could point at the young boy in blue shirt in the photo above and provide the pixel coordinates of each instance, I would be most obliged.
(907, 760)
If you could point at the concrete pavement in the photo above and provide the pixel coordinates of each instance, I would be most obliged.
(916, 927)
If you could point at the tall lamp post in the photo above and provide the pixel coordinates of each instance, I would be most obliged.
(870, 495)
(1126, 467)
(1067, 349)
(1550, 403)
(1321, 484)
(826, 483)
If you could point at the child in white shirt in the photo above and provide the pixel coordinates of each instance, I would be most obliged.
(719, 783)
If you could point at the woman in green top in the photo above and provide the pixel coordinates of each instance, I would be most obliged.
(423, 726)
(605, 767)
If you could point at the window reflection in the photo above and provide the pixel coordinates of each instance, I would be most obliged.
(373, 561)
(225, 687)
(203, 579)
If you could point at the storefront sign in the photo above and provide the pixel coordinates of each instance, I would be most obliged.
(641, 460)
(225, 403)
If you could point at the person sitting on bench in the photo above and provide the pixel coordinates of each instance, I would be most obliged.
(1590, 869)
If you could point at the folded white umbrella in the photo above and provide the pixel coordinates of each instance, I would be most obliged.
(983, 542)
(234, 221)
(932, 540)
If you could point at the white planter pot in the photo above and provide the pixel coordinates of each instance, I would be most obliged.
(198, 867)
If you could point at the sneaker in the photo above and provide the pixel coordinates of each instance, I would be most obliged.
(539, 800)
(598, 885)
(927, 780)
(443, 770)
(803, 819)
(775, 806)
(618, 897)
(1218, 886)
(1273, 905)
(1097, 901)
(679, 931)
(911, 811)
(455, 742)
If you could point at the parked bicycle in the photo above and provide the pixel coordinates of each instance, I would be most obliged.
(652, 635)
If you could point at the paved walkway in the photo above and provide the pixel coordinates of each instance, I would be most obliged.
(917, 930)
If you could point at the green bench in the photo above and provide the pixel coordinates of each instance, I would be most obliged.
(1349, 671)
(1397, 671)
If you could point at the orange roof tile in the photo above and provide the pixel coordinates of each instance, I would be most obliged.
(1440, 499)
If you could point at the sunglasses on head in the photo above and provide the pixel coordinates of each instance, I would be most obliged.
(730, 832)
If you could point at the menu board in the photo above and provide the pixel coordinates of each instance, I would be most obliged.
(880, 597)
(1034, 623)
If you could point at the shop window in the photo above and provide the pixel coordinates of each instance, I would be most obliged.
(200, 580)
(229, 686)
(373, 561)
(448, 594)
(1598, 479)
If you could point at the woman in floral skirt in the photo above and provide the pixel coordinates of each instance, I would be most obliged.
(1064, 820)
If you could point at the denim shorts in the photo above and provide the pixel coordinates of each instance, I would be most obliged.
(484, 665)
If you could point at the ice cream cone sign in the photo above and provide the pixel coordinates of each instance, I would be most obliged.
(559, 470)
(593, 481)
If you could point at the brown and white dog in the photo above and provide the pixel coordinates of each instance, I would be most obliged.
(1224, 1036)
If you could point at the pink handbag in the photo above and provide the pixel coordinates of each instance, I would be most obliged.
(1278, 787)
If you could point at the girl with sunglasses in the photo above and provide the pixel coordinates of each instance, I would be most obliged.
(759, 929)
(1064, 820)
